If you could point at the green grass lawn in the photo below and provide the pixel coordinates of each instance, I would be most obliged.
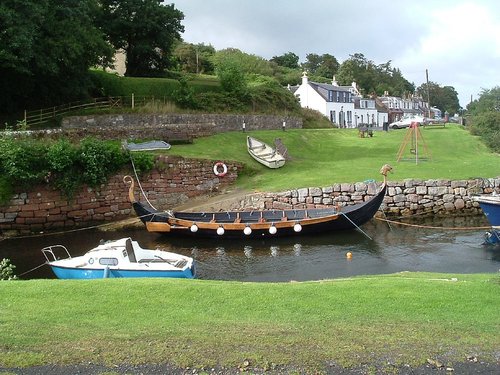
(403, 319)
(326, 156)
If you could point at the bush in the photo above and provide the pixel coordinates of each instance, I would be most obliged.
(23, 161)
(7, 270)
(487, 126)
(98, 159)
(62, 164)
(143, 162)
(314, 119)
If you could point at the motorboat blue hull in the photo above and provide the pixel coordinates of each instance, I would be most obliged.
(490, 204)
(82, 273)
(492, 211)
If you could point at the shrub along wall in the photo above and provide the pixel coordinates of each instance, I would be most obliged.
(175, 182)
(172, 127)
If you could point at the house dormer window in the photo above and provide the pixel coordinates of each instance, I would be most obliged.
(330, 95)
(338, 96)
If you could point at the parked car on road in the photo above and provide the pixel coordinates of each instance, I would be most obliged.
(405, 122)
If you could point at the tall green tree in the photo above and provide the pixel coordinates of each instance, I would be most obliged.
(145, 29)
(312, 63)
(46, 49)
(194, 58)
(287, 60)
(229, 69)
(445, 98)
(328, 66)
(372, 78)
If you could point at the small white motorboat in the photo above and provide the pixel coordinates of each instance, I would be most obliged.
(120, 258)
(264, 153)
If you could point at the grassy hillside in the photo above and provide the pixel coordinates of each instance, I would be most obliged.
(322, 157)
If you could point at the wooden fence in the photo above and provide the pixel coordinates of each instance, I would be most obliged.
(41, 116)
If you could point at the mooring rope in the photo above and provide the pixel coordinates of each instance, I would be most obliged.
(67, 231)
(429, 226)
(353, 223)
(139, 183)
(33, 269)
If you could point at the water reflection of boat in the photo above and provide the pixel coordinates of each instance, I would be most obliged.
(490, 204)
(120, 258)
(257, 223)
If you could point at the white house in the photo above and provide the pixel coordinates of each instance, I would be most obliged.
(407, 106)
(343, 105)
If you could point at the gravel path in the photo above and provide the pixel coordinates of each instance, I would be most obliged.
(464, 368)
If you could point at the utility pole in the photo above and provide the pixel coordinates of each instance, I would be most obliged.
(428, 92)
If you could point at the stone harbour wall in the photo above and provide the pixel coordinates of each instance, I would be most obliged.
(406, 198)
(172, 127)
(175, 181)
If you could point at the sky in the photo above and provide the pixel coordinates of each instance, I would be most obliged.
(456, 41)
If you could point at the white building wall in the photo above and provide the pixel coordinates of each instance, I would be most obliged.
(309, 98)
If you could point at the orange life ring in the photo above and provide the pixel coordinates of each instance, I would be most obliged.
(216, 169)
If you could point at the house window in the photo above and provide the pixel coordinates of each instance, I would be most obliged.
(330, 95)
(332, 116)
(338, 96)
(349, 117)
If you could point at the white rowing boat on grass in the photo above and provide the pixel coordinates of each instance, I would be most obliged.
(264, 153)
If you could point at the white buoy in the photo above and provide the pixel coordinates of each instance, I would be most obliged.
(220, 231)
(247, 231)
(194, 228)
(272, 229)
(297, 227)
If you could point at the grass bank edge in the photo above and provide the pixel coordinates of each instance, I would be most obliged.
(201, 322)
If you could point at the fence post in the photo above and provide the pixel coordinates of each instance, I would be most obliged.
(132, 100)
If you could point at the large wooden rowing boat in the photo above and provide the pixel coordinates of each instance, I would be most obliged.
(256, 223)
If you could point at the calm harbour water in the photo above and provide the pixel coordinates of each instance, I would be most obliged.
(391, 249)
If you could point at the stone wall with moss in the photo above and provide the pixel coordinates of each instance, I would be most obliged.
(173, 127)
(175, 181)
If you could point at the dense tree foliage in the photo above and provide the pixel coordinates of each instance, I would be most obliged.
(230, 67)
(247, 63)
(489, 101)
(485, 117)
(372, 78)
(287, 60)
(445, 98)
(325, 65)
(46, 49)
(145, 29)
(194, 58)
(48, 46)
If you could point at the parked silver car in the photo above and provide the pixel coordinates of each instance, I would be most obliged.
(405, 122)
